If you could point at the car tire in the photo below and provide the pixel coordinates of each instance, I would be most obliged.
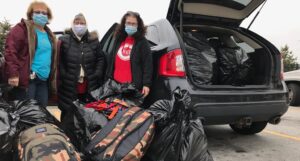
(294, 93)
(254, 128)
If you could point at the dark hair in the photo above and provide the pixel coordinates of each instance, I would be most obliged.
(120, 30)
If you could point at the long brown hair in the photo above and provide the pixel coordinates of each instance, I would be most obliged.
(141, 30)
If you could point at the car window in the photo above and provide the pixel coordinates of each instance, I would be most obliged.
(108, 39)
(111, 44)
(247, 48)
(107, 43)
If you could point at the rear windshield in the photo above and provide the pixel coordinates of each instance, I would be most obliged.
(235, 4)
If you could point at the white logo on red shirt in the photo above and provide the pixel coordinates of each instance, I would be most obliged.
(124, 51)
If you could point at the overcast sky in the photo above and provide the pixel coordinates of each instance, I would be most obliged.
(278, 22)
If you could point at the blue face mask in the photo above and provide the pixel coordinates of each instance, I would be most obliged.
(130, 30)
(40, 19)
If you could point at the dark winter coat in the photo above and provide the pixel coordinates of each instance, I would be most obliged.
(19, 53)
(70, 58)
(140, 60)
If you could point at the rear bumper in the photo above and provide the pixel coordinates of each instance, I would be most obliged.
(231, 112)
(226, 106)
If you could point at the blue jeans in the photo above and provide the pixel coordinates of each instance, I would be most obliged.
(38, 90)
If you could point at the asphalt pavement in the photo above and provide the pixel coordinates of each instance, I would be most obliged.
(276, 143)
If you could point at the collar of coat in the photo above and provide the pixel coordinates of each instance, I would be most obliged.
(88, 36)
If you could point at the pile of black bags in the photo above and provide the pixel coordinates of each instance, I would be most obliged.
(126, 92)
(218, 61)
(18, 116)
(81, 123)
(179, 136)
(201, 58)
(234, 66)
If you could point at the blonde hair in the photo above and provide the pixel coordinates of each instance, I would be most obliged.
(36, 3)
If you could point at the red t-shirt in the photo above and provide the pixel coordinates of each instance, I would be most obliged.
(122, 72)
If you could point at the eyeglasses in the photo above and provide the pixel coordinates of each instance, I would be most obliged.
(40, 12)
(133, 13)
(79, 22)
(131, 24)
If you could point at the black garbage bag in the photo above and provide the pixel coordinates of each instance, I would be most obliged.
(29, 113)
(126, 92)
(75, 128)
(234, 66)
(6, 134)
(5, 91)
(179, 136)
(93, 119)
(161, 110)
(201, 58)
(18, 116)
(80, 123)
(194, 136)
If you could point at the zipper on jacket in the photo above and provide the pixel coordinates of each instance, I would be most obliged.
(82, 64)
(130, 60)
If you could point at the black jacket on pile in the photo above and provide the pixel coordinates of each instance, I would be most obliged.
(73, 53)
(140, 60)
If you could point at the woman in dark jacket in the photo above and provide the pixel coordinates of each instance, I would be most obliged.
(81, 65)
(131, 60)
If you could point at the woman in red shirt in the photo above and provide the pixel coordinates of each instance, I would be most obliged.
(130, 60)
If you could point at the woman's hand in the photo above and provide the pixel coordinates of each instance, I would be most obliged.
(145, 91)
(13, 81)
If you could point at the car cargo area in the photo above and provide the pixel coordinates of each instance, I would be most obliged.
(218, 56)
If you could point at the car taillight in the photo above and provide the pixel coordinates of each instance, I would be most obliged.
(171, 64)
(282, 67)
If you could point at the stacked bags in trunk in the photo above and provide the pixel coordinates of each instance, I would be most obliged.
(234, 63)
(201, 59)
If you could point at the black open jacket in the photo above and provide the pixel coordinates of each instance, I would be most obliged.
(140, 60)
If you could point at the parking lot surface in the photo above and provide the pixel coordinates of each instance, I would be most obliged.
(276, 143)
